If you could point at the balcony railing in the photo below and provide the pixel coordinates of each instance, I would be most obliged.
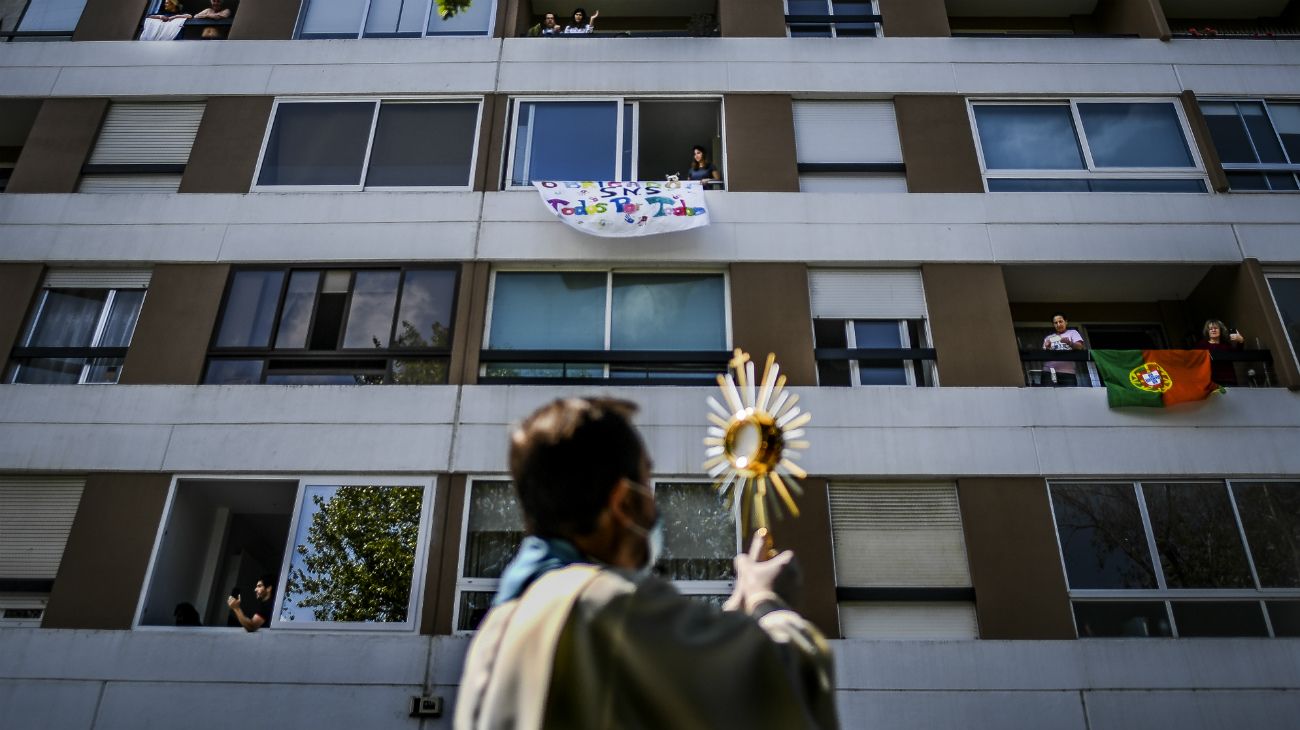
(839, 366)
(623, 367)
(1251, 368)
(865, 25)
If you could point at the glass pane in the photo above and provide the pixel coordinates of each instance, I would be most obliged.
(1134, 135)
(373, 378)
(1209, 618)
(1004, 185)
(830, 333)
(299, 302)
(1147, 186)
(1261, 133)
(495, 529)
(879, 334)
(1285, 617)
(699, 533)
(471, 17)
(1231, 139)
(419, 372)
(1282, 182)
(67, 318)
(474, 605)
(395, 17)
(333, 17)
(1270, 514)
(424, 319)
(1286, 119)
(1096, 620)
(50, 15)
(104, 370)
(1247, 181)
(233, 372)
(423, 144)
(250, 309)
(317, 143)
(852, 7)
(1197, 536)
(543, 370)
(668, 312)
(565, 141)
(1039, 137)
(807, 7)
(121, 319)
(548, 311)
(1286, 294)
(1102, 538)
(370, 315)
(353, 557)
(50, 371)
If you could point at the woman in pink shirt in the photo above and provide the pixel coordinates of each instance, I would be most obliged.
(1062, 338)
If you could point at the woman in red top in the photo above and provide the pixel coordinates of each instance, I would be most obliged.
(1216, 337)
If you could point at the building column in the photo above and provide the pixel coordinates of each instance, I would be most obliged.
(752, 18)
(809, 537)
(102, 573)
(1205, 142)
(18, 286)
(970, 325)
(770, 312)
(223, 158)
(1015, 565)
(760, 143)
(110, 20)
(514, 18)
(1143, 18)
(471, 321)
(938, 145)
(59, 144)
(440, 582)
(170, 344)
(914, 19)
(492, 143)
(265, 20)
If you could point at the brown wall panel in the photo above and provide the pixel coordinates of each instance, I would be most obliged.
(471, 319)
(171, 338)
(938, 146)
(970, 324)
(461, 327)
(760, 144)
(914, 18)
(104, 563)
(770, 312)
(18, 286)
(224, 156)
(440, 587)
(109, 20)
(264, 20)
(1204, 142)
(1239, 295)
(752, 18)
(1015, 564)
(1144, 18)
(809, 537)
(59, 144)
(514, 17)
(491, 140)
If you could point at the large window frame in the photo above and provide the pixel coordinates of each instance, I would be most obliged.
(1263, 168)
(1162, 594)
(378, 103)
(813, 24)
(622, 126)
(1090, 170)
(17, 33)
(424, 27)
(419, 565)
(1293, 342)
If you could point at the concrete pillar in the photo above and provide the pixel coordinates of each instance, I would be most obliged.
(971, 327)
(18, 286)
(59, 144)
(938, 145)
(752, 18)
(770, 312)
(224, 156)
(170, 344)
(760, 143)
(265, 20)
(914, 19)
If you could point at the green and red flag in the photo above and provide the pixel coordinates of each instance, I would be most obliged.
(1154, 378)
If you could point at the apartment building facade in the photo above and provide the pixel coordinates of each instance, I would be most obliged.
(269, 301)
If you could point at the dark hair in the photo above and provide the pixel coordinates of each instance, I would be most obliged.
(579, 10)
(186, 615)
(567, 457)
(703, 163)
(1061, 315)
(269, 580)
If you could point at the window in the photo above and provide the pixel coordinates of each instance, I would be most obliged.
(367, 144)
(348, 552)
(900, 562)
(79, 327)
(1181, 558)
(335, 327)
(1258, 142)
(848, 146)
(832, 18)
(869, 328)
(395, 18)
(701, 540)
(1083, 146)
(1286, 295)
(142, 148)
(36, 516)
(41, 20)
(579, 325)
(611, 138)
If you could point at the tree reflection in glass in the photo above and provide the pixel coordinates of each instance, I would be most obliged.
(353, 557)
(1197, 536)
(699, 533)
(1102, 538)
(496, 527)
(1270, 514)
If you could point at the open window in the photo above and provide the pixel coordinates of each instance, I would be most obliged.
(395, 18)
(1247, 19)
(628, 19)
(346, 552)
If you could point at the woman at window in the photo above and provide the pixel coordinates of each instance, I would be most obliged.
(166, 24)
(582, 24)
(1216, 337)
(703, 169)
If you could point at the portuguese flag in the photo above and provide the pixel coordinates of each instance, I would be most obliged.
(1154, 378)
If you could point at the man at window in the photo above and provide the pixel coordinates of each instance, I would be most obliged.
(1063, 338)
(581, 636)
(548, 27)
(262, 611)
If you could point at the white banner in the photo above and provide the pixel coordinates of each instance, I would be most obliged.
(624, 209)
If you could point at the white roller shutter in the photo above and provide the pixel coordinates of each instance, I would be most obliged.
(908, 620)
(97, 279)
(846, 131)
(898, 535)
(160, 183)
(867, 294)
(35, 519)
(147, 134)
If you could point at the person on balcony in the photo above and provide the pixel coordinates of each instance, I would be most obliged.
(703, 169)
(1063, 338)
(217, 11)
(548, 27)
(1216, 337)
(165, 25)
(581, 23)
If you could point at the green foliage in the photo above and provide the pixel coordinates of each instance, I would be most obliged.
(359, 556)
(448, 8)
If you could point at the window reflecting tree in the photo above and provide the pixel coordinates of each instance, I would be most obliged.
(1102, 538)
(1197, 536)
(1270, 512)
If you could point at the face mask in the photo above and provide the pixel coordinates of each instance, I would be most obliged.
(654, 536)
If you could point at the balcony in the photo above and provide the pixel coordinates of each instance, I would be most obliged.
(1257, 19)
(1033, 19)
(629, 18)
